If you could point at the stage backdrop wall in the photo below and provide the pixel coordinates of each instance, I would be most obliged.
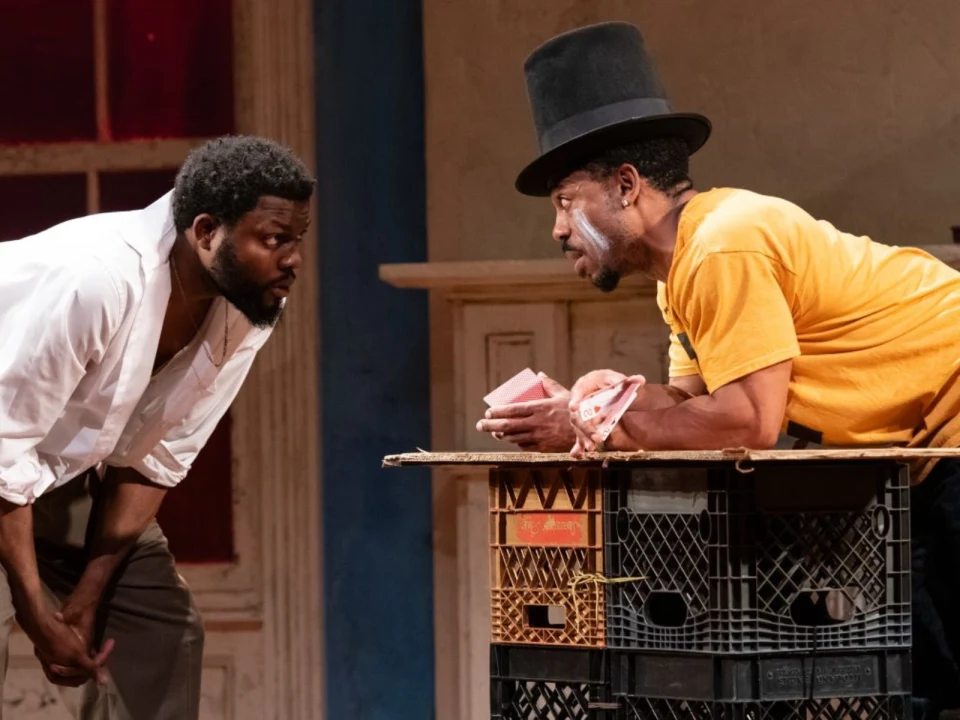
(374, 365)
(847, 108)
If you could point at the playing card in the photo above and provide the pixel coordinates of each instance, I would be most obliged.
(595, 403)
(522, 387)
(615, 410)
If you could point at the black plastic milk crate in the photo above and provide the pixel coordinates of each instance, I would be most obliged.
(739, 679)
(780, 558)
(549, 683)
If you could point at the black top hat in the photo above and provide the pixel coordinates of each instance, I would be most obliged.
(592, 89)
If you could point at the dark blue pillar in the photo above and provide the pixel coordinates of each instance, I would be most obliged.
(374, 360)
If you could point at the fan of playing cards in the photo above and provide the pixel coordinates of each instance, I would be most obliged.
(607, 406)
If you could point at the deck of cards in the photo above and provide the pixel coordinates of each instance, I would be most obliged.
(522, 387)
(608, 405)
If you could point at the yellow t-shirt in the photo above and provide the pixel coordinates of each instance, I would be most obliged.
(873, 330)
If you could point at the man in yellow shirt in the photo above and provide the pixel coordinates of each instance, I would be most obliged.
(779, 322)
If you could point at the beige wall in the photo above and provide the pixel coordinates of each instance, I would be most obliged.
(851, 109)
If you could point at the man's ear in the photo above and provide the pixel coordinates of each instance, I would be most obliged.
(630, 184)
(204, 230)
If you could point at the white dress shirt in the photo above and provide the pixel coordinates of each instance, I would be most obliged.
(81, 309)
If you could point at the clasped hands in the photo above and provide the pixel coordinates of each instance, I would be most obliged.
(554, 424)
(63, 642)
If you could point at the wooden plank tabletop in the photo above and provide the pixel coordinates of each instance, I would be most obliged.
(515, 459)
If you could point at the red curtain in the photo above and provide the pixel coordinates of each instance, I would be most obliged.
(32, 203)
(171, 68)
(47, 71)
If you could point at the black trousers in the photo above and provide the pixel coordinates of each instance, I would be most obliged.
(935, 528)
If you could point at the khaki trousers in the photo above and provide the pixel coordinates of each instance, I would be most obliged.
(147, 609)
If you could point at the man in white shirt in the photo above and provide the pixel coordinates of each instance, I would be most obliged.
(125, 337)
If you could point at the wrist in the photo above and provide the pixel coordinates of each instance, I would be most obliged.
(28, 599)
(89, 589)
(31, 614)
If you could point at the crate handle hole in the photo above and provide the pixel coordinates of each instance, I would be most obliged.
(623, 524)
(881, 521)
(821, 607)
(666, 609)
(704, 526)
(546, 616)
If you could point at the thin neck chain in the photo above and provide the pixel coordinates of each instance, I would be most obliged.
(176, 276)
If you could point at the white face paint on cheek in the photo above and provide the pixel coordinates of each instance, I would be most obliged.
(600, 242)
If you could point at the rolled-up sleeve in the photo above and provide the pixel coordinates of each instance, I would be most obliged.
(170, 460)
(53, 324)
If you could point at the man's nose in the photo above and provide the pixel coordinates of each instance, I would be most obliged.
(292, 260)
(561, 229)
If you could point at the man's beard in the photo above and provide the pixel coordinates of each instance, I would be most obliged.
(606, 279)
(245, 295)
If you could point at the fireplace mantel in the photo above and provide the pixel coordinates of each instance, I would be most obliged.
(506, 279)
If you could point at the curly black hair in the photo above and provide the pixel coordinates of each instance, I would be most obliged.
(664, 162)
(227, 176)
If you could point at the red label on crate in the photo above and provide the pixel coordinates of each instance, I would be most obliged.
(548, 528)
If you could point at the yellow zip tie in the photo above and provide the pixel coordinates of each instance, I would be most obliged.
(592, 579)
(739, 464)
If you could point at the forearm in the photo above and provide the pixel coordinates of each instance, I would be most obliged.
(18, 556)
(658, 397)
(129, 503)
(699, 423)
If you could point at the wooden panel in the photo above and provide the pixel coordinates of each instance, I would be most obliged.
(507, 354)
(27, 695)
(215, 692)
(448, 497)
(276, 436)
(498, 341)
(81, 157)
(474, 570)
(492, 341)
(229, 690)
(629, 336)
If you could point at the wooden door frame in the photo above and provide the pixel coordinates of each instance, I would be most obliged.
(276, 434)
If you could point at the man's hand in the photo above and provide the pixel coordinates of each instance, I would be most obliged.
(534, 426)
(81, 615)
(64, 654)
(130, 501)
(590, 383)
(66, 658)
